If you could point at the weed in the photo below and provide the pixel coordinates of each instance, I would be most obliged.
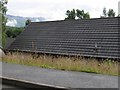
(64, 63)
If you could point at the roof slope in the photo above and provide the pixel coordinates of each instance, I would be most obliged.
(90, 37)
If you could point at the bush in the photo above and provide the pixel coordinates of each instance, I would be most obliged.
(13, 31)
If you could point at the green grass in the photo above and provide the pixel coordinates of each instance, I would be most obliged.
(81, 64)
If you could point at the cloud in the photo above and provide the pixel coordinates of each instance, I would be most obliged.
(12, 23)
(55, 9)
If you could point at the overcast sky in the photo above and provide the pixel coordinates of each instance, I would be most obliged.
(55, 9)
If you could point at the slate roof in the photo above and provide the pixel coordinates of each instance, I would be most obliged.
(87, 37)
(8, 42)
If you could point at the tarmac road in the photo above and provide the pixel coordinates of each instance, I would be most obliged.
(58, 78)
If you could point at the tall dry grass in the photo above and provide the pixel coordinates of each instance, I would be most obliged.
(64, 63)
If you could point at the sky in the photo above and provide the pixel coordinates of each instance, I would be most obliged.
(56, 9)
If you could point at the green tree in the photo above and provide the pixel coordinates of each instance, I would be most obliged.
(80, 14)
(104, 12)
(13, 32)
(70, 14)
(111, 13)
(86, 16)
(28, 21)
(3, 20)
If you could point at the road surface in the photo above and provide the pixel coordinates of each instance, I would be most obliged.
(58, 78)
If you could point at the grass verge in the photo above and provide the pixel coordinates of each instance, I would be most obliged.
(81, 64)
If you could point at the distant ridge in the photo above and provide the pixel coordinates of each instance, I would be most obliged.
(19, 21)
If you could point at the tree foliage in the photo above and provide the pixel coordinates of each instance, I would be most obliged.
(109, 13)
(3, 20)
(80, 14)
(71, 14)
(28, 21)
(104, 12)
(13, 32)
